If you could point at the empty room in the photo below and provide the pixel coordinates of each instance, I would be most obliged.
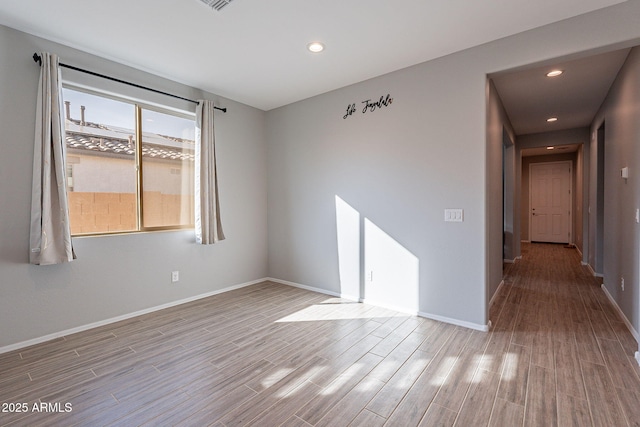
(363, 213)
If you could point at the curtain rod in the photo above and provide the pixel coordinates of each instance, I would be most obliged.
(38, 59)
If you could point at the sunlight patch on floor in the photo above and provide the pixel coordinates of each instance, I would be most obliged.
(444, 367)
(510, 367)
(337, 384)
(339, 311)
(275, 377)
(288, 391)
(471, 377)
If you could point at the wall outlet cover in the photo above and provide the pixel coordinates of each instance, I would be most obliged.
(454, 215)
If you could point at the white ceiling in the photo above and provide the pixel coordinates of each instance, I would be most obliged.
(530, 97)
(543, 151)
(254, 51)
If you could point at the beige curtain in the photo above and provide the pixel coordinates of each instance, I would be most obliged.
(207, 206)
(50, 236)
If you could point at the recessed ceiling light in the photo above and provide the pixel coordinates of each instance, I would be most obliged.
(554, 73)
(552, 119)
(315, 47)
(550, 148)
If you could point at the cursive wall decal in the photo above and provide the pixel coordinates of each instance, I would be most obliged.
(370, 105)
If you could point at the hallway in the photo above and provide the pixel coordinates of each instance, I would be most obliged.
(569, 356)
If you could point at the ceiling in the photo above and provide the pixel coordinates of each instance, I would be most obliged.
(574, 97)
(543, 151)
(254, 51)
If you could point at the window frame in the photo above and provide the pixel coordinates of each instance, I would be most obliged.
(139, 105)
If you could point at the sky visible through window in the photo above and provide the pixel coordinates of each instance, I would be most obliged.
(121, 114)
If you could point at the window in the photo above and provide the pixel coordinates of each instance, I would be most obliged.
(117, 185)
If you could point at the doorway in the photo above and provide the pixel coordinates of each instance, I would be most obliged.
(550, 202)
(599, 238)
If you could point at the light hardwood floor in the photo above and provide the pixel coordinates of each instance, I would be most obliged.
(270, 355)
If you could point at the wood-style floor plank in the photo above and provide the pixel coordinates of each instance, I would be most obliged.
(269, 354)
(368, 419)
(622, 372)
(444, 373)
(605, 408)
(284, 408)
(515, 375)
(438, 415)
(313, 411)
(394, 390)
(569, 375)
(345, 411)
(573, 411)
(394, 360)
(245, 413)
(541, 407)
(506, 413)
(629, 400)
(479, 402)
(205, 410)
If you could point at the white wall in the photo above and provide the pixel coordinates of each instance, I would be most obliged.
(400, 167)
(118, 275)
(621, 114)
(394, 168)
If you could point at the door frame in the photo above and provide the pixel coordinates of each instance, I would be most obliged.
(571, 199)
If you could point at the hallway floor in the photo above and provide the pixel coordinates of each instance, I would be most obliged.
(569, 356)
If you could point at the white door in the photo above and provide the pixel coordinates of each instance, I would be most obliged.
(550, 190)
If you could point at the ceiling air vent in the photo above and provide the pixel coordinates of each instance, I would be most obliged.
(216, 4)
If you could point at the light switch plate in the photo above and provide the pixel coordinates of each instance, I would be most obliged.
(454, 215)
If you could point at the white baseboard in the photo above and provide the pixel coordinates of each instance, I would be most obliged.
(82, 328)
(495, 294)
(638, 357)
(314, 289)
(456, 322)
(465, 324)
(345, 296)
(593, 272)
(624, 318)
(411, 312)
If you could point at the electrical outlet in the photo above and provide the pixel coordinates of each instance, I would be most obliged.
(370, 276)
(454, 215)
(622, 283)
(175, 276)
